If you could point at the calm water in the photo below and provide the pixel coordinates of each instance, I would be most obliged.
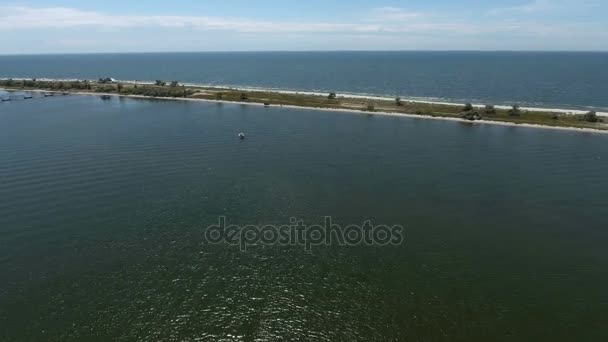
(544, 79)
(103, 205)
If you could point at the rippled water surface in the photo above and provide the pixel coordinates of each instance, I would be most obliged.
(103, 205)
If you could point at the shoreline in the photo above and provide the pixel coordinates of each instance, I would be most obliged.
(405, 99)
(338, 110)
(344, 95)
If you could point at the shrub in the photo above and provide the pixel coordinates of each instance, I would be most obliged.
(590, 117)
(154, 91)
(371, 107)
(219, 96)
(244, 97)
(467, 107)
(514, 111)
(331, 96)
(489, 109)
(398, 101)
(104, 89)
(470, 115)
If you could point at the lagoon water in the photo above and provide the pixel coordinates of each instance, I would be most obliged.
(103, 205)
(570, 80)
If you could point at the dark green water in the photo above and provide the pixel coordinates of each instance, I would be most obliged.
(103, 205)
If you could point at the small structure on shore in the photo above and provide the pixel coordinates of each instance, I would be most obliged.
(107, 80)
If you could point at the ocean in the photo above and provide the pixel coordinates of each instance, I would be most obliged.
(104, 206)
(562, 80)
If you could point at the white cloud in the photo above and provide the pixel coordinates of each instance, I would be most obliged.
(532, 7)
(384, 23)
(12, 18)
(388, 20)
(394, 14)
(546, 6)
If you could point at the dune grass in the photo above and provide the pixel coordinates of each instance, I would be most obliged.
(271, 98)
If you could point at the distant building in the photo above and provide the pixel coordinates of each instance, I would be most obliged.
(107, 80)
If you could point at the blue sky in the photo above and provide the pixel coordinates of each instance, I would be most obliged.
(237, 25)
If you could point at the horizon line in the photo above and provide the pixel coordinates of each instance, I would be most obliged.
(291, 51)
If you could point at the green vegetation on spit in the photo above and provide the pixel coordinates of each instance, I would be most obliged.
(162, 89)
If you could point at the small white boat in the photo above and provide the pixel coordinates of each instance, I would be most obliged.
(241, 135)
